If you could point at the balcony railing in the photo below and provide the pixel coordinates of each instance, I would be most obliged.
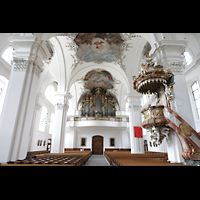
(98, 118)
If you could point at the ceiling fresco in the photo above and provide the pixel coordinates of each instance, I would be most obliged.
(101, 79)
(98, 47)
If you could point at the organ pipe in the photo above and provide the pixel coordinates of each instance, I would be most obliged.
(98, 103)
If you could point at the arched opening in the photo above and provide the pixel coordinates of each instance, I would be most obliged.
(50, 92)
(8, 55)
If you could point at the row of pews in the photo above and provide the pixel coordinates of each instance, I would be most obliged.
(69, 158)
(125, 158)
(85, 154)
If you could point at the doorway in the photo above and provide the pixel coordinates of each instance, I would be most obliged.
(97, 144)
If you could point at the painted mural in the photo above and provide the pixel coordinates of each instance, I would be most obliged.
(98, 47)
(101, 79)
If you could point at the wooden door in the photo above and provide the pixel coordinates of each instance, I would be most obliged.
(97, 145)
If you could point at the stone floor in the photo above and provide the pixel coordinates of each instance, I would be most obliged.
(97, 160)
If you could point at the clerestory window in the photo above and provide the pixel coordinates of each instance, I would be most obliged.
(188, 57)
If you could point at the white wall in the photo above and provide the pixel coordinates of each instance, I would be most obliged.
(192, 74)
(36, 134)
(73, 138)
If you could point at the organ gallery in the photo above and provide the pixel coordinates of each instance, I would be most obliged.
(125, 99)
(98, 103)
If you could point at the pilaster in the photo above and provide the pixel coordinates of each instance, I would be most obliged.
(134, 120)
(61, 108)
(169, 54)
(18, 109)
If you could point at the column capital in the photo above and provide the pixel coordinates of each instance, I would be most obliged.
(63, 100)
(20, 63)
(29, 52)
(133, 100)
(169, 54)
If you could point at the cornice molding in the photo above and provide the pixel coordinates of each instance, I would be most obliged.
(193, 65)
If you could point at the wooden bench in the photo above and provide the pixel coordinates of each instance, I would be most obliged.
(77, 149)
(118, 149)
(156, 153)
(143, 162)
(49, 160)
(128, 155)
(128, 159)
(33, 153)
(86, 155)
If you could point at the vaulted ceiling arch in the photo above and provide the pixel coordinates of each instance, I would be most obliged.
(115, 71)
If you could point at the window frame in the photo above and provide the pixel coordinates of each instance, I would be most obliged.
(191, 59)
(194, 100)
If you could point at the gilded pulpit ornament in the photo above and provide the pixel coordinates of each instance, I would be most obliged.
(153, 79)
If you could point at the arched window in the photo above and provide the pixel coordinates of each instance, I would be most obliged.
(43, 115)
(3, 89)
(196, 96)
(188, 57)
(8, 55)
(50, 91)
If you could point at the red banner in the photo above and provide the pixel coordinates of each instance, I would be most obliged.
(138, 132)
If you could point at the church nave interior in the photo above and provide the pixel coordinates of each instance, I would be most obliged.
(132, 98)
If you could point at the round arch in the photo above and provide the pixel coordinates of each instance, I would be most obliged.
(114, 70)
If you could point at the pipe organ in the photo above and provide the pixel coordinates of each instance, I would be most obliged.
(98, 103)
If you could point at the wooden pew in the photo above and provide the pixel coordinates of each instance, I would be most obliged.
(77, 149)
(49, 160)
(142, 162)
(128, 155)
(31, 154)
(128, 159)
(86, 154)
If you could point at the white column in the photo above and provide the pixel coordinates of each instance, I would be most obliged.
(61, 109)
(34, 126)
(174, 148)
(169, 54)
(133, 101)
(182, 101)
(18, 110)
